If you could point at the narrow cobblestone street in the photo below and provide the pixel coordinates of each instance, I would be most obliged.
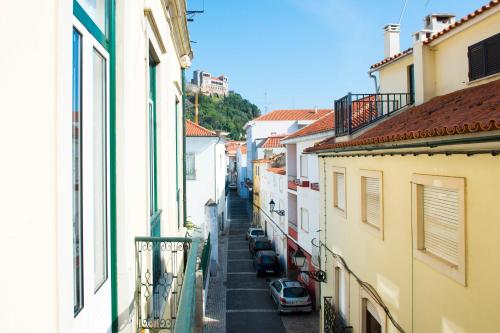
(238, 300)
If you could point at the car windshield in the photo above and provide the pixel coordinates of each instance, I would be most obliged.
(257, 233)
(295, 292)
(268, 259)
(263, 245)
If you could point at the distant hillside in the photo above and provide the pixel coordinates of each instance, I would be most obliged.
(226, 114)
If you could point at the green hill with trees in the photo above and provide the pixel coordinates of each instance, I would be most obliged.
(227, 114)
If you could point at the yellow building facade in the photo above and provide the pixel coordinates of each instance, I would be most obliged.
(409, 229)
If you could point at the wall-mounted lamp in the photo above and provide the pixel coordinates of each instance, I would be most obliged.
(299, 260)
(271, 209)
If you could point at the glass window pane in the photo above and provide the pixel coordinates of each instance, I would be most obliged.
(96, 10)
(100, 171)
(77, 172)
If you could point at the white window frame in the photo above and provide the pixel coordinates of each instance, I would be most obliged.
(377, 231)
(302, 210)
(368, 303)
(304, 167)
(337, 209)
(188, 175)
(456, 272)
(340, 272)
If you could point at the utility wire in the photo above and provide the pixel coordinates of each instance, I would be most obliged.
(402, 11)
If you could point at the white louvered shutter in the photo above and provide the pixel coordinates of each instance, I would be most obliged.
(372, 201)
(441, 222)
(340, 182)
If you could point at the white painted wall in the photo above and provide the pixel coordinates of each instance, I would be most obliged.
(35, 195)
(262, 129)
(210, 166)
(274, 186)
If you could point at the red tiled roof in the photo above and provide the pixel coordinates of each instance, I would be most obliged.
(273, 141)
(323, 124)
(394, 57)
(302, 114)
(279, 171)
(232, 147)
(193, 129)
(475, 109)
(477, 12)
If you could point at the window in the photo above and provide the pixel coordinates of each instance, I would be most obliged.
(438, 208)
(100, 171)
(411, 83)
(303, 166)
(190, 166)
(339, 191)
(77, 173)
(304, 219)
(373, 317)
(371, 201)
(96, 10)
(152, 139)
(484, 58)
(341, 289)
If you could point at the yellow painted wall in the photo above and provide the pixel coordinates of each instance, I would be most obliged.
(438, 303)
(450, 56)
(393, 78)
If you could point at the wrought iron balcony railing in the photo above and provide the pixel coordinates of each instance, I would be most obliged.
(332, 319)
(165, 283)
(354, 112)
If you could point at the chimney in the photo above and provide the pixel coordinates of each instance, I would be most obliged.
(391, 40)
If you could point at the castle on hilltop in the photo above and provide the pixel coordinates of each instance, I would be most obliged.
(206, 84)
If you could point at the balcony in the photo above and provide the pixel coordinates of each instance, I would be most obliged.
(354, 112)
(292, 183)
(167, 282)
(332, 318)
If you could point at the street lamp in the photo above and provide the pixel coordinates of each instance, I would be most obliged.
(299, 260)
(272, 204)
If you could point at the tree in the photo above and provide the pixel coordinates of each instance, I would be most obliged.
(227, 114)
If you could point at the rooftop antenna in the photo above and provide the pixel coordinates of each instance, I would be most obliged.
(191, 13)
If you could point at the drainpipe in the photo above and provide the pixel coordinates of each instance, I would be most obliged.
(374, 77)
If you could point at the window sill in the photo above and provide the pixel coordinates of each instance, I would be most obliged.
(340, 212)
(482, 79)
(452, 271)
(374, 230)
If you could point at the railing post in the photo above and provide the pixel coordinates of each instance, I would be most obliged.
(349, 103)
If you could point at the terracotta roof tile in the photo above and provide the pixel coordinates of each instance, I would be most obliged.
(232, 147)
(475, 109)
(458, 23)
(301, 114)
(273, 141)
(323, 124)
(262, 160)
(193, 129)
(394, 57)
(279, 171)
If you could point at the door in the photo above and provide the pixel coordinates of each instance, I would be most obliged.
(90, 163)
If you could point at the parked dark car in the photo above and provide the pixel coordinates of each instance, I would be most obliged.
(259, 244)
(266, 262)
(290, 296)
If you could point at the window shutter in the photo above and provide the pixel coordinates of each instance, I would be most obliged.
(493, 55)
(340, 187)
(372, 201)
(441, 222)
(477, 68)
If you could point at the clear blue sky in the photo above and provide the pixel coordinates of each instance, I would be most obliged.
(302, 53)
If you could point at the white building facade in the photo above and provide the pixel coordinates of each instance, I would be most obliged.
(205, 175)
(103, 128)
